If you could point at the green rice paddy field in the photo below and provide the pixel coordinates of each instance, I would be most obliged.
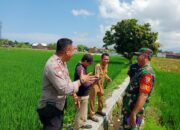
(164, 110)
(20, 88)
(20, 85)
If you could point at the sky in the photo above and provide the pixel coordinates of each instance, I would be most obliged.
(85, 21)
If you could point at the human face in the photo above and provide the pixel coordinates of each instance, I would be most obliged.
(69, 51)
(105, 60)
(141, 60)
(86, 64)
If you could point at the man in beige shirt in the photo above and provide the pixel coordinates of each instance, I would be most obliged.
(101, 71)
(57, 84)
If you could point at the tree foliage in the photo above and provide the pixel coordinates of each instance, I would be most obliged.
(81, 47)
(51, 46)
(128, 36)
(7, 43)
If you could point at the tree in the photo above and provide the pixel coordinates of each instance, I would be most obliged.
(5, 42)
(21, 44)
(51, 46)
(81, 47)
(129, 36)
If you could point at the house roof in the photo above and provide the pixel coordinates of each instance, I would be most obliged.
(35, 44)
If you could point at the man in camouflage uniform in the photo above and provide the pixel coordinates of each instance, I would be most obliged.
(138, 91)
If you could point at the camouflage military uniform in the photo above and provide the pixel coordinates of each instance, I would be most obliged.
(145, 76)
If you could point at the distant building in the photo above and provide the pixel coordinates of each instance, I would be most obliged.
(162, 55)
(174, 55)
(39, 46)
(97, 50)
(6, 46)
(169, 55)
(93, 50)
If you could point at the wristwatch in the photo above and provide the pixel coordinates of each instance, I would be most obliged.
(82, 81)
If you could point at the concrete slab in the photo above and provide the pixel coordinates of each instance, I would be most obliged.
(110, 103)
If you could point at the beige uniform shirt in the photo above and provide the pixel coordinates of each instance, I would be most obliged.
(100, 72)
(56, 83)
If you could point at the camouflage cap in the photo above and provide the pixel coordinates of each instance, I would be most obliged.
(144, 50)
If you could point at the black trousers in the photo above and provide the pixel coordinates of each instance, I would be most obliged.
(51, 117)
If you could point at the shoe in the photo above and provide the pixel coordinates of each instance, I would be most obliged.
(94, 119)
(86, 126)
(101, 113)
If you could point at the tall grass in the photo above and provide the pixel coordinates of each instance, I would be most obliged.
(164, 112)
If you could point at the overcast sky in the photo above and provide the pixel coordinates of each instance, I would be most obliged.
(85, 21)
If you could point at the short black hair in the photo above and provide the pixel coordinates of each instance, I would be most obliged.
(104, 54)
(62, 44)
(88, 58)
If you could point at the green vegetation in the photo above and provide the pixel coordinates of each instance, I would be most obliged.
(21, 76)
(129, 36)
(51, 46)
(9, 43)
(164, 112)
(82, 48)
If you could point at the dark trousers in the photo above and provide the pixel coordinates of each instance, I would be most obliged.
(51, 117)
